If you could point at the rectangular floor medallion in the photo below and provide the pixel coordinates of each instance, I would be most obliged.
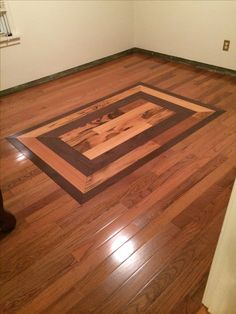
(93, 146)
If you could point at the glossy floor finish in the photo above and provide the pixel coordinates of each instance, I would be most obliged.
(89, 148)
(144, 244)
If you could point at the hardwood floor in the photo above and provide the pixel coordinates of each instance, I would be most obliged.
(144, 244)
(89, 148)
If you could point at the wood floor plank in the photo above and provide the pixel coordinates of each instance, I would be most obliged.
(123, 127)
(144, 244)
(203, 310)
(118, 276)
(192, 302)
(30, 283)
(56, 162)
(193, 271)
(16, 260)
(141, 297)
(69, 118)
(180, 102)
(74, 136)
(121, 163)
(154, 228)
(138, 127)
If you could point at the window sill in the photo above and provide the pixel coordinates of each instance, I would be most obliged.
(9, 41)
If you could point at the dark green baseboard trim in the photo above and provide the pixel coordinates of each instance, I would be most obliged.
(88, 65)
(65, 73)
(205, 66)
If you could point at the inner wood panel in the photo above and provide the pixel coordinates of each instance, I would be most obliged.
(124, 127)
(112, 129)
(143, 245)
(82, 133)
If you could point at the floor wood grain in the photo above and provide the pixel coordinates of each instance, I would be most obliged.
(87, 149)
(143, 245)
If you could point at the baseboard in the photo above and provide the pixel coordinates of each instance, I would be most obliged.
(88, 65)
(65, 73)
(205, 66)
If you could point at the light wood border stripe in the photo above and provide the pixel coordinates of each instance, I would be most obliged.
(80, 113)
(175, 100)
(71, 174)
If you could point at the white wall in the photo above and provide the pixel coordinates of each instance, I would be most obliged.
(193, 30)
(220, 293)
(58, 35)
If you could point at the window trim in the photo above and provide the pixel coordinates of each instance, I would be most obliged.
(11, 38)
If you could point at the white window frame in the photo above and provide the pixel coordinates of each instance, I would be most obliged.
(7, 35)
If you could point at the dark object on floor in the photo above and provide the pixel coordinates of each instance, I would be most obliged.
(7, 220)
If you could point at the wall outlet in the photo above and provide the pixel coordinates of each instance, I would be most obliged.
(226, 45)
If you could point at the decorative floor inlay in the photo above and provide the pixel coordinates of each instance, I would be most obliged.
(93, 146)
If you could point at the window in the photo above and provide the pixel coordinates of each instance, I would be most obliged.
(6, 36)
(4, 24)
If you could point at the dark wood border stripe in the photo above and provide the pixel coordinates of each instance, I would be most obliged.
(149, 157)
(87, 166)
(81, 107)
(77, 160)
(55, 176)
(116, 105)
(122, 149)
(86, 196)
(208, 106)
(91, 116)
(101, 161)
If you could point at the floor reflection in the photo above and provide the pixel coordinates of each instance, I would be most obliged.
(122, 251)
(20, 157)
